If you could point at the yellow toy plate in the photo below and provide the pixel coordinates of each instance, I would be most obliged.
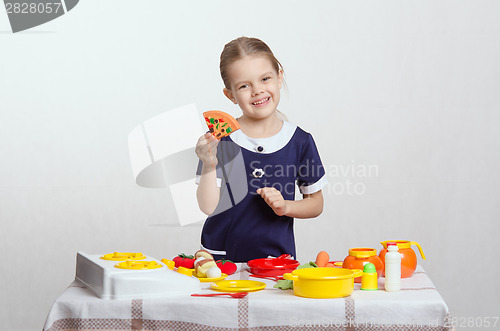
(214, 279)
(238, 285)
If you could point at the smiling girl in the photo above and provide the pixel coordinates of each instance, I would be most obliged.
(275, 155)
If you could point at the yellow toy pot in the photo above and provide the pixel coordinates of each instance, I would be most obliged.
(323, 283)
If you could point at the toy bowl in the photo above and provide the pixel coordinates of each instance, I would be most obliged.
(273, 266)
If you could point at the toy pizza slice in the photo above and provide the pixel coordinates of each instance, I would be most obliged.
(220, 124)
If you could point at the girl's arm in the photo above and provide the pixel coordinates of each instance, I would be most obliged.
(207, 192)
(309, 207)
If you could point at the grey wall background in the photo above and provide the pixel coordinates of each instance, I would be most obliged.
(406, 89)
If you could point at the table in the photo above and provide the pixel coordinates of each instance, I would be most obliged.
(418, 306)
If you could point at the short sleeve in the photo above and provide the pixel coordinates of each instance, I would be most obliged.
(311, 174)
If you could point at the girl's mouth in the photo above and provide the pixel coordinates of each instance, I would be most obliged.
(261, 102)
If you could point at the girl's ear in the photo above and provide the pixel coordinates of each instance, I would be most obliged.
(229, 95)
(280, 77)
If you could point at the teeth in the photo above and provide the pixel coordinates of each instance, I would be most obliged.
(261, 101)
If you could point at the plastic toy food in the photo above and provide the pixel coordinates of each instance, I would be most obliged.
(203, 253)
(213, 272)
(183, 260)
(408, 256)
(185, 271)
(322, 259)
(227, 267)
(202, 267)
(286, 284)
(169, 263)
(220, 124)
(205, 266)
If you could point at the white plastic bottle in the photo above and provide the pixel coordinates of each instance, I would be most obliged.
(392, 268)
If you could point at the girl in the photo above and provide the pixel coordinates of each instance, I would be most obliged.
(246, 182)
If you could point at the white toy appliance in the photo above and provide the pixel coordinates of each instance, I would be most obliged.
(131, 275)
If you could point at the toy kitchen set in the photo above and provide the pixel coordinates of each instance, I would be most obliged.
(127, 275)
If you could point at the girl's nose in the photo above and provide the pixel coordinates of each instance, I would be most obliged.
(257, 90)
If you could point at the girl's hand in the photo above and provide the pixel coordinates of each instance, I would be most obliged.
(274, 199)
(206, 149)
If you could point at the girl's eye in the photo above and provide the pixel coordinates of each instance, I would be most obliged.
(242, 86)
(267, 78)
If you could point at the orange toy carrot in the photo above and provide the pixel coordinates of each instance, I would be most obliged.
(322, 259)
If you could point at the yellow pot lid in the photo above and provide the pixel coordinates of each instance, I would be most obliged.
(138, 265)
(116, 256)
(362, 252)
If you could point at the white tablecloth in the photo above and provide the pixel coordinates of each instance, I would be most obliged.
(418, 306)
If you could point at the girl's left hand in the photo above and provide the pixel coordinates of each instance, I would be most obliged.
(274, 199)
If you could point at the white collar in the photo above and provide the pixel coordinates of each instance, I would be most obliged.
(265, 145)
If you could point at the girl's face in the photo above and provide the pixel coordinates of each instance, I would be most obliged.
(255, 86)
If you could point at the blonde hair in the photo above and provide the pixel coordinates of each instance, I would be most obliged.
(244, 46)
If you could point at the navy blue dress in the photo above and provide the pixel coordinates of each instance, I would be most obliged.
(243, 227)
